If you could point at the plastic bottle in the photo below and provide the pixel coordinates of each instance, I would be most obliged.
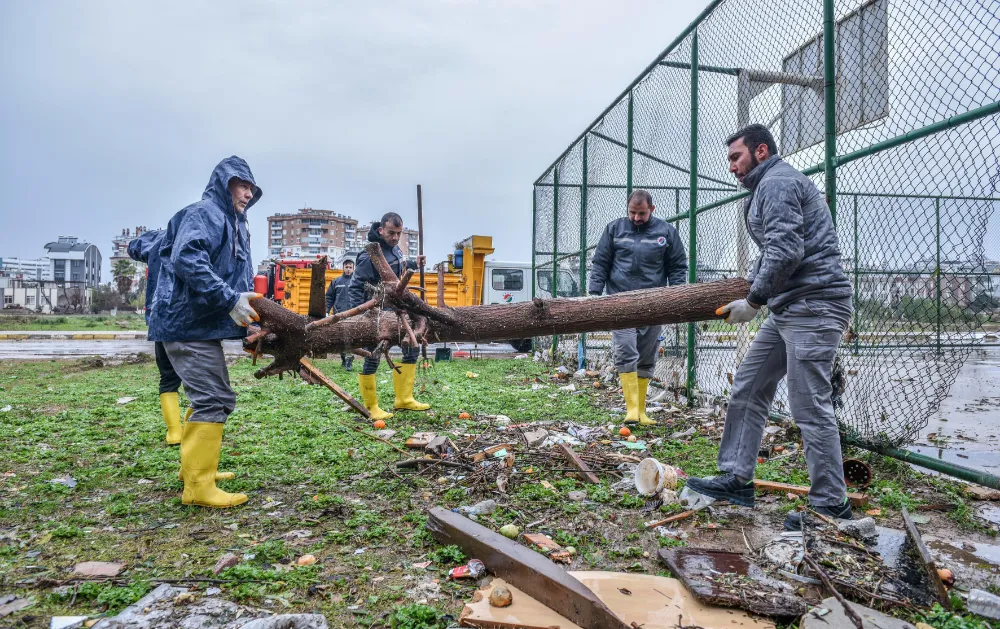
(984, 604)
(485, 507)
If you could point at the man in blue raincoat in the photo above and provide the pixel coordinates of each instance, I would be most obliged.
(146, 249)
(201, 298)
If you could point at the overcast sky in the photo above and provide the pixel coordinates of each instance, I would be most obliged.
(115, 113)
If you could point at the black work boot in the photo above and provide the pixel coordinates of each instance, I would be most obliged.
(793, 521)
(724, 487)
(348, 363)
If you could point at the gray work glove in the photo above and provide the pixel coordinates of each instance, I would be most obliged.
(739, 311)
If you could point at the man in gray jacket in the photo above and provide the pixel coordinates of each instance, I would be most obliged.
(800, 278)
(637, 251)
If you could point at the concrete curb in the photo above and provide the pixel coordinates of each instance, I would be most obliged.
(33, 335)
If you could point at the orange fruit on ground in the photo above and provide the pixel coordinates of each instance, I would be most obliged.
(624, 431)
(379, 424)
(464, 415)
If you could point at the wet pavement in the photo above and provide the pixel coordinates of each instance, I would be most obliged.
(966, 428)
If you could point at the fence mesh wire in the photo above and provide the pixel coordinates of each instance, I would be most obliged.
(917, 127)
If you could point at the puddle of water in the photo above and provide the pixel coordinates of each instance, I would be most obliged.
(890, 545)
(989, 512)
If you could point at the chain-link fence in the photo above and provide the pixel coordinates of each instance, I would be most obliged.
(898, 121)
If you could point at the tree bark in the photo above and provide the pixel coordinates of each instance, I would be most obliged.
(317, 289)
(400, 318)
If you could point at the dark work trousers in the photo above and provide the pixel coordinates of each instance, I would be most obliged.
(202, 367)
(170, 382)
(410, 356)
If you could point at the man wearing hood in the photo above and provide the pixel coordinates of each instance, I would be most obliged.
(387, 233)
(146, 249)
(201, 298)
(800, 278)
(637, 251)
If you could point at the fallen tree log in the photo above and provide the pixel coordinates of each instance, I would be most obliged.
(395, 316)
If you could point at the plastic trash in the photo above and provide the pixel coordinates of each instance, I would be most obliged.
(984, 604)
(472, 570)
(485, 507)
(652, 476)
(693, 500)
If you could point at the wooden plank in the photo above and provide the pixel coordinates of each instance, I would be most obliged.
(585, 472)
(481, 456)
(330, 384)
(927, 562)
(419, 440)
(857, 500)
(525, 569)
(674, 518)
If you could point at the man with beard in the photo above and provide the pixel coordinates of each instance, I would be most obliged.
(637, 251)
(337, 300)
(800, 278)
(386, 233)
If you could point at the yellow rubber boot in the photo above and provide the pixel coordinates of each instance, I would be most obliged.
(369, 397)
(199, 465)
(630, 389)
(644, 419)
(187, 415)
(171, 417)
(218, 475)
(403, 383)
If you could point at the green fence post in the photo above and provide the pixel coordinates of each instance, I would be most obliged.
(581, 351)
(555, 247)
(628, 149)
(692, 215)
(830, 102)
(857, 319)
(937, 267)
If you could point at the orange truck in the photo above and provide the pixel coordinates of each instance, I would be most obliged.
(469, 280)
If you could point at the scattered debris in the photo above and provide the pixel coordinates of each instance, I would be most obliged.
(652, 477)
(585, 472)
(67, 622)
(125, 400)
(863, 529)
(98, 569)
(441, 446)
(978, 492)
(65, 481)
(535, 438)
(226, 561)
(10, 604)
(577, 496)
(485, 507)
(727, 579)
(510, 531)
(6, 409)
(472, 570)
(419, 440)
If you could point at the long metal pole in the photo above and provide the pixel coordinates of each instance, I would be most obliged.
(692, 381)
(420, 239)
(581, 350)
(830, 102)
(555, 248)
(534, 242)
(629, 148)
(857, 332)
(915, 458)
(937, 269)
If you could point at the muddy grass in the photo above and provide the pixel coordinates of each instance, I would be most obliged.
(317, 486)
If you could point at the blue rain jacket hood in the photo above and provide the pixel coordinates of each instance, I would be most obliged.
(146, 249)
(205, 263)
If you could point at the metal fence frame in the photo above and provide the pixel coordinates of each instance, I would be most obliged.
(828, 167)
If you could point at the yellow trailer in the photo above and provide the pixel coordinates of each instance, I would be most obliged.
(463, 278)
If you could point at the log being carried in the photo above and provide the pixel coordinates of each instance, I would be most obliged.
(288, 337)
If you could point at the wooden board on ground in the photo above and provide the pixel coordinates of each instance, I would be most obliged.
(525, 568)
(586, 474)
(926, 561)
(330, 384)
(857, 500)
(648, 601)
(481, 456)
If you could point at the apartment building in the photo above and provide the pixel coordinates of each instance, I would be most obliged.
(309, 233)
(119, 251)
(23, 268)
(74, 261)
